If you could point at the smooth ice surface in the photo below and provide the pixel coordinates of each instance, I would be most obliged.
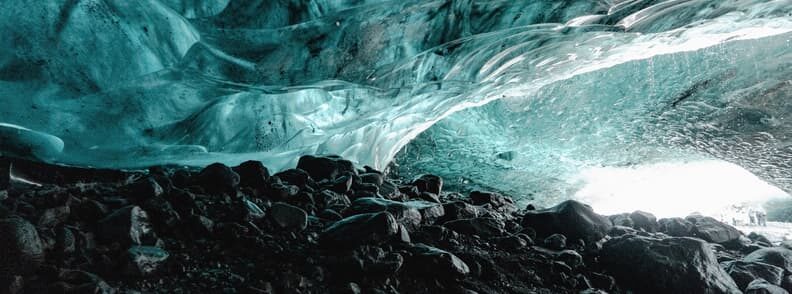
(518, 96)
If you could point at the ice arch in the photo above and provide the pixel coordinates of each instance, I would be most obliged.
(502, 94)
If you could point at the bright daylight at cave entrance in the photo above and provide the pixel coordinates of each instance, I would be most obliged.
(384, 146)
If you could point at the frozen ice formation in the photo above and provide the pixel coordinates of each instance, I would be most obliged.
(501, 94)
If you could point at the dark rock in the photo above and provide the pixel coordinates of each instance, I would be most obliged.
(676, 227)
(218, 178)
(759, 238)
(429, 183)
(482, 226)
(618, 230)
(326, 167)
(602, 281)
(372, 178)
(144, 189)
(252, 210)
(430, 197)
(280, 191)
(671, 265)
(145, 260)
(555, 241)
(459, 210)
(513, 242)
(89, 210)
(498, 201)
(128, 225)
(21, 250)
(570, 258)
(85, 282)
(330, 214)
(760, 286)
(297, 177)
(200, 226)
(743, 272)
(289, 217)
(786, 283)
(436, 262)
(405, 214)
(360, 229)
(622, 219)
(430, 211)
(644, 220)
(332, 200)
(52, 217)
(252, 174)
(65, 241)
(161, 212)
(342, 184)
(711, 230)
(573, 219)
(777, 256)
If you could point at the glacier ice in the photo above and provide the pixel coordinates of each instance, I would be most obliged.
(516, 96)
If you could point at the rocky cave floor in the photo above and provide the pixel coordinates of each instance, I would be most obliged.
(328, 227)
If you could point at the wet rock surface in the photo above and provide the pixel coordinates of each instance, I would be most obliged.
(328, 227)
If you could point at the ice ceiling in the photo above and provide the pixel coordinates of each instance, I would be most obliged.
(518, 96)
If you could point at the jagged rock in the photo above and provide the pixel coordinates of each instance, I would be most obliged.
(429, 183)
(436, 262)
(711, 230)
(482, 226)
(671, 265)
(360, 229)
(289, 217)
(217, 178)
(555, 241)
(326, 167)
(252, 174)
(743, 272)
(573, 219)
(777, 256)
(128, 225)
(760, 286)
(499, 202)
(21, 250)
(145, 260)
(644, 220)
(404, 213)
(676, 227)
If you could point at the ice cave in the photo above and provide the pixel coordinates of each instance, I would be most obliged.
(605, 109)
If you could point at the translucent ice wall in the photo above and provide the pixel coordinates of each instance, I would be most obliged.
(501, 94)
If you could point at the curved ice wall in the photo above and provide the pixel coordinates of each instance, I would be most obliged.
(500, 94)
